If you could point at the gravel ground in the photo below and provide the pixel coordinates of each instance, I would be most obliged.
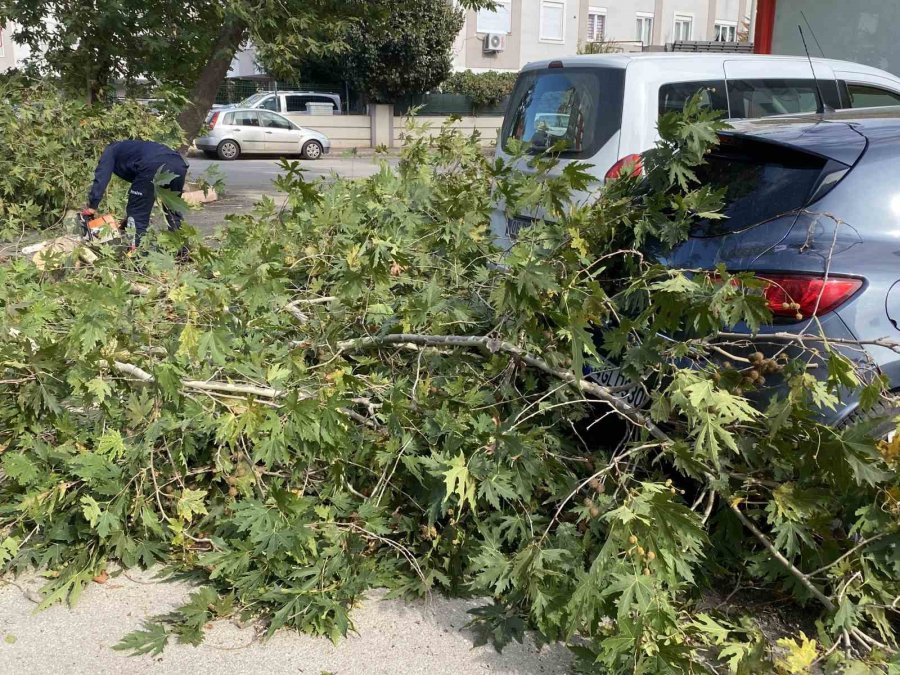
(392, 637)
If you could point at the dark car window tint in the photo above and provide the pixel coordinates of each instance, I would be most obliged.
(581, 107)
(271, 103)
(867, 96)
(274, 121)
(760, 181)
(767, 97)
(673, 97)
(295, 103)
(246, 119)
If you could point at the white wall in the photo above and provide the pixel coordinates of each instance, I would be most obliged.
(697, 9)
(535, 49)
(621, 21)
(729, 10)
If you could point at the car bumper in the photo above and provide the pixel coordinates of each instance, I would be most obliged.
(205, 143)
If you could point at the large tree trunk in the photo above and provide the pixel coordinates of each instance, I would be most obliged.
(203, 94)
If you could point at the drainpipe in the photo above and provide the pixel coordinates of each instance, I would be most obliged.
(765, 26)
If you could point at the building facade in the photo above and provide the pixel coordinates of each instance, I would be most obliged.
(7, 50)
(519, 31)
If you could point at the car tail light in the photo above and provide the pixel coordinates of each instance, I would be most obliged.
(800, 296)
(213, 120)
(630, 165)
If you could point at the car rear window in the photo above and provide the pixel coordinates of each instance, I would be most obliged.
(674, 97)
(775, 96)
(761, 181)
(580, 107)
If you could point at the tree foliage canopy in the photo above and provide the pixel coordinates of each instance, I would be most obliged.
(361, 390)
(91, 45)
(401, 48)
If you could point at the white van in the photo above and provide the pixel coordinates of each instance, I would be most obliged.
(605, 106)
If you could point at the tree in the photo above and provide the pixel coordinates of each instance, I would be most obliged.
(190, 43)
(402, 48)
(360, 390)
(89, 46)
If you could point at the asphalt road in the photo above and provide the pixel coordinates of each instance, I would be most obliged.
(257, 174)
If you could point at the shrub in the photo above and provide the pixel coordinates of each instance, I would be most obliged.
(485, 89)
(361, 390)
(52, 146)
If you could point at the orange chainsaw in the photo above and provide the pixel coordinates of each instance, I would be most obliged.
(98, 229)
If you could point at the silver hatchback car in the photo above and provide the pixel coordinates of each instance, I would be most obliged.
(232, 133)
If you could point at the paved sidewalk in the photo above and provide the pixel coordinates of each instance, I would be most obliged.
(393, 638)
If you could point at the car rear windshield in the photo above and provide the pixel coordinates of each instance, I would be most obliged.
(761, 181)
(581, 108)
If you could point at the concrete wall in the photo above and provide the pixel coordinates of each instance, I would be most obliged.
(381, 127)
(489, 127)
(863, 31)
(345, 131)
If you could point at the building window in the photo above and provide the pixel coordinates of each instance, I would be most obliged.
(497, 20)
(684, 28)
(726, 31)
(645, 28)
(553, 20)
(596, 28)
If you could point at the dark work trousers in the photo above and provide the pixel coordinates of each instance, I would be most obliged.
(142, 196)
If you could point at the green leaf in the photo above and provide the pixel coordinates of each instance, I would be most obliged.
(151, 640)
(459, 481)
(191, 503)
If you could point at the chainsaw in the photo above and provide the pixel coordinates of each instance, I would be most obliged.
(98, 229)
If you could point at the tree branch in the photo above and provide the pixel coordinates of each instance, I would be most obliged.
(493, 346)
(770, 547)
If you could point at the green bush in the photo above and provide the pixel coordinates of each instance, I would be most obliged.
(51, 146)
(485, 89)
(359, 390)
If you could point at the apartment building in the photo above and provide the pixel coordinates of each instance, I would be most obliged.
(7, 51)
(518, 31)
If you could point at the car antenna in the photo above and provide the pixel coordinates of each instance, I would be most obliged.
(821, 107)
(813, 33)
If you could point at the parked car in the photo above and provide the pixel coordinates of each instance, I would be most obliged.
(232, 133)
(813, 206)
(605, 106)
(288, 102)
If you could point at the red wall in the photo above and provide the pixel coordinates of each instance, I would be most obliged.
(765, 25)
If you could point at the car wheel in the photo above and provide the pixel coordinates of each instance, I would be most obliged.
(228, 150)
(312, 150)
(885, 429)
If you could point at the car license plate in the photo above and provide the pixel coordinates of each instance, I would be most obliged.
(611, 376)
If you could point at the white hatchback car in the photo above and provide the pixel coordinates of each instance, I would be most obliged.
(605, 107)
(232, 133)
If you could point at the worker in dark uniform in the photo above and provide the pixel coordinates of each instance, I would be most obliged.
(138, 163)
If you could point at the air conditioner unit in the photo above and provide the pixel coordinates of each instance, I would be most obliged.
(494, 42)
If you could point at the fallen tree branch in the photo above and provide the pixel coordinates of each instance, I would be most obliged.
(803, 338)
(770, 547)
(492, 345)
(293, 307)
(203, 385)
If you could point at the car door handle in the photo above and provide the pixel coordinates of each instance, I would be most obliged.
(268, 132)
